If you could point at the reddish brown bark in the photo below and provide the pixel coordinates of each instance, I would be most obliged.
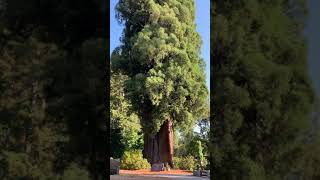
(159, 148)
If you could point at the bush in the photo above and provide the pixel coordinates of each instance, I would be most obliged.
(184, 163)
(177, 162)
(133, 160)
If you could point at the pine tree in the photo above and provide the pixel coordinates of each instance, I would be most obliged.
(160, 54)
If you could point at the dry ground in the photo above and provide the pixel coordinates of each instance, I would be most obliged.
(148, 172)
(148, 175)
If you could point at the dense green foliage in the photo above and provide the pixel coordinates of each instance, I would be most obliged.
(188, 144)
(125, 125)
(27, 133)
(310, 165)
(73, 172)
(194, 144)
(191, 145)
(133, 160)
(160, 55)
(52, 68)
(263, 97)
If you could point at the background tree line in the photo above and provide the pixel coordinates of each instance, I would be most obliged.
(263, 98)
(52, 84)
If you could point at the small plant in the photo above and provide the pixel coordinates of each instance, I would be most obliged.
(200, 154)
(133, 160)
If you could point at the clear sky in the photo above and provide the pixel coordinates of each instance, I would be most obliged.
(313, 36)
(203, 27)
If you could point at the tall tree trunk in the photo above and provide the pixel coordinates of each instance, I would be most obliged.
(158, 148)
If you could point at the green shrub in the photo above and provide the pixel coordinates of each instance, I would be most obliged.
(176, 162)
(133, 160)
(184, 163)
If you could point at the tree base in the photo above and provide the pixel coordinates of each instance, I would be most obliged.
(158, 148)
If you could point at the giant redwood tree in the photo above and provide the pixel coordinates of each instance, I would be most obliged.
(160, 53)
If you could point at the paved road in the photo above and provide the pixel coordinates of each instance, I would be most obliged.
(156, 177)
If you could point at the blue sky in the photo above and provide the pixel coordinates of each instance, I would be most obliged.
(203, 27)
(313, 36)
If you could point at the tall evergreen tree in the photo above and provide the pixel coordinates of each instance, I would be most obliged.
(263, 95)
(160, 54)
